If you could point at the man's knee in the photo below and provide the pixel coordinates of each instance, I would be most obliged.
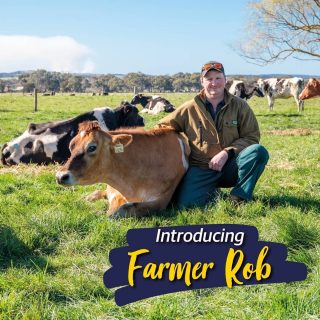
(258, 151)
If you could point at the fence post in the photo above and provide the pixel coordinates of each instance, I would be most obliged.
(134, 90)
(35, 93)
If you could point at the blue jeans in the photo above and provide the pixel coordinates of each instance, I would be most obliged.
(199, 186)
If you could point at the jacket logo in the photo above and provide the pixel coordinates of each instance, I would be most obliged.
(234, 122)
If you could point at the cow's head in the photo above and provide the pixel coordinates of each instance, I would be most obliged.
(130, 116)
(312, 89)
(258, 92)
(91, 150)
(137, 98)
(36, 144)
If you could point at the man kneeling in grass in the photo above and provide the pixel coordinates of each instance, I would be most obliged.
(224, 136)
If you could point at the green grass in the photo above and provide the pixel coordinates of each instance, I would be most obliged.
(54, 245)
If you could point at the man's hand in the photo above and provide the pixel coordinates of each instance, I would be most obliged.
(218, 161)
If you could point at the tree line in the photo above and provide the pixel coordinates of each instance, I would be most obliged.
(45, 81)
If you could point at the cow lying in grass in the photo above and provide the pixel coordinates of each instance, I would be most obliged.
(152, 104)
(311, 90)
(46, 143)
(142, 168)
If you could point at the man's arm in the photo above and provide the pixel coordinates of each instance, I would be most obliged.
(249, 132)
(174, 120)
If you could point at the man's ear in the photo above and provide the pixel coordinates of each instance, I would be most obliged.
(121, 141)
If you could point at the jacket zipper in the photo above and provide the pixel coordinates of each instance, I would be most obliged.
(200, 133)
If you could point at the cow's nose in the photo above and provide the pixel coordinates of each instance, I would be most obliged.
(63, 177)
(6, 153)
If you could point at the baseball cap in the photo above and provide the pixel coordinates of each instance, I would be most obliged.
(211, 65)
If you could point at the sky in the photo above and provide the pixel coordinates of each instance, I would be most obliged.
(122, 36)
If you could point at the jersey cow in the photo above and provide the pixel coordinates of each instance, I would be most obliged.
(142, 168)
(311, 90)
(275, 88)
(49, 142)
(243, 90)
(152, 104)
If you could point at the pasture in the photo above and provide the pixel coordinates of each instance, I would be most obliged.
(54, 245)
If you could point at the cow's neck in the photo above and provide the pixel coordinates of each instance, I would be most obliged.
(144, 101)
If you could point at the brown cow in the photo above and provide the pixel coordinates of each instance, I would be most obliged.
(142, 168)
(312, 89)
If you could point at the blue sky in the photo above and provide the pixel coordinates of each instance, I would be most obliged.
(121, 36)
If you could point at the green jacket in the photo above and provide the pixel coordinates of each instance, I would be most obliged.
(236, 127)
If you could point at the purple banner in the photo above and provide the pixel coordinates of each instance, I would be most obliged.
(170, 259)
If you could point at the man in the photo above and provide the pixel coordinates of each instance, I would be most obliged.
(224, 135)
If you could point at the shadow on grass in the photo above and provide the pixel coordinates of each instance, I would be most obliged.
(305, 203)
(273, 115)
(15, 253)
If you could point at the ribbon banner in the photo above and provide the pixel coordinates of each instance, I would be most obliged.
(163, 260)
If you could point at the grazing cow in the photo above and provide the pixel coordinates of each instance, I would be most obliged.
(275, 88)
(142, 168)
(312, 89)
(49, 142)
(153, 104)
(243, 90)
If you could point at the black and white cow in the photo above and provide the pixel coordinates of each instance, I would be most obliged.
(243, 90)
(46, 143)
(275, 88)
(152, 104)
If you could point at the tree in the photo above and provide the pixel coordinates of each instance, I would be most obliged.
(2, 86)
(278, 29)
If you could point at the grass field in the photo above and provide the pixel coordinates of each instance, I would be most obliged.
(54, 245)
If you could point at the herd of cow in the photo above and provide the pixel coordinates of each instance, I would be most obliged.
(92, 146)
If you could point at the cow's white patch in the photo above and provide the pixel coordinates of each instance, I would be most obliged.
(232, 89)
(184, 158)
(82, 134)
(49, 140)
(111, 196)
(98, 114)
(159, 107)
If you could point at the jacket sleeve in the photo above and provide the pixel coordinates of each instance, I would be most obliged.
(175, 120)
(248, 129)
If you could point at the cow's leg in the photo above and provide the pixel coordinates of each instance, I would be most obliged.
(139, 209)
(299, 103)
(115, 199)
(270, 102)
(97, 195)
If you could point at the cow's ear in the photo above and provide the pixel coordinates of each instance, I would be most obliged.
(127, 108)
(120, 141)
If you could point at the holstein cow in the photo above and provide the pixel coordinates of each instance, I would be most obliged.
(312, 89)
(275, 88)
(243, 90)
(142, 168)
(49, 142)
(153, 104)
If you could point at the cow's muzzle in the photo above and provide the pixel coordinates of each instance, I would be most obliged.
(65, 178)
(5, 155)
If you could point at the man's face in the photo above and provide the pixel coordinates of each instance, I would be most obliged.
(213, 83)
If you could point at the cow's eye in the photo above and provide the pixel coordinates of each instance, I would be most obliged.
(91, 148)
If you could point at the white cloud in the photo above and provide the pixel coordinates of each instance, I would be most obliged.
(60, 53)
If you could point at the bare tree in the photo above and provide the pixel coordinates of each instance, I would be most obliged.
(278, 29)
